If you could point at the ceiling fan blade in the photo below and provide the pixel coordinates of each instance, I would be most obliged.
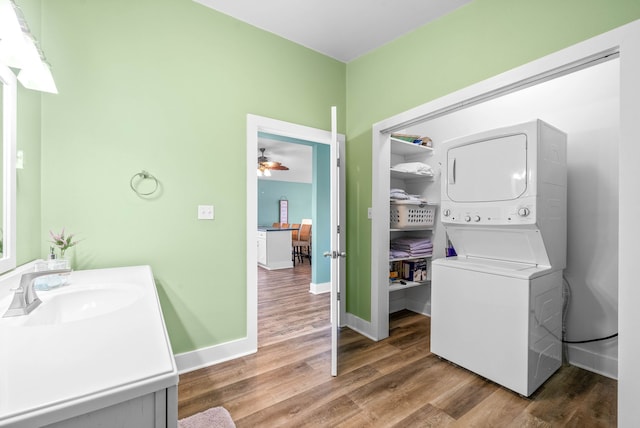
(270, 164)
(264, 163)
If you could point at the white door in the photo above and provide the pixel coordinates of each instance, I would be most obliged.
(337, 253)
(487, 170)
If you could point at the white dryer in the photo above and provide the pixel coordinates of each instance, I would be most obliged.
(497, 306)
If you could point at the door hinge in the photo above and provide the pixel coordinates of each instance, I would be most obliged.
(338, 295)
(338, 162)
(338, 229)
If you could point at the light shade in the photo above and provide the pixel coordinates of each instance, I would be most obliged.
(38, 77)
(9, 22)
(19, 49)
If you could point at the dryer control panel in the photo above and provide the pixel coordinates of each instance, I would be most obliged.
(497, 215)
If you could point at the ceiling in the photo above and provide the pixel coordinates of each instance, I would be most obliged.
(341, 29)
(297, 157)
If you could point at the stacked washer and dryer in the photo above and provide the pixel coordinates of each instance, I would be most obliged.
(497, 305)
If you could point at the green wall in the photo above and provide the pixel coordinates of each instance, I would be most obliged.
(165, 86)
(477, 41)
(169, 91)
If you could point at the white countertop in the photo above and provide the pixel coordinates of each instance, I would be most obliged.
(52, 372)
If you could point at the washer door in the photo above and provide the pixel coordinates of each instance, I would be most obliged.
(488, 170)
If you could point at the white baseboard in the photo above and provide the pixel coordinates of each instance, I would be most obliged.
(204, 357)
(604, 365)
(359, 326)
(324, 287)
(397, 305)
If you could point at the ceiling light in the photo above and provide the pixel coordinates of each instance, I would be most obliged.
(38, 77)
(19, 49)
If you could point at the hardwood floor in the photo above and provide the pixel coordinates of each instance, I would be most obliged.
(396, 382)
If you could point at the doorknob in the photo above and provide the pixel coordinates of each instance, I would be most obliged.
(334, 254)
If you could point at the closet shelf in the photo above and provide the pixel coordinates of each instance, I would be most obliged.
(410, 229)
(395, 286)
(400, 259)
(410, 175)
(404, 148)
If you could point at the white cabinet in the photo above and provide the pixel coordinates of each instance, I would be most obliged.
(262, 247)
(274, 249)
(154, 410)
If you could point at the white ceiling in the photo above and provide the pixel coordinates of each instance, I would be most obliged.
(297, 157)
(341, 29)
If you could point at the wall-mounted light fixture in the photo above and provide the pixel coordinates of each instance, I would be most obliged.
(19, 49)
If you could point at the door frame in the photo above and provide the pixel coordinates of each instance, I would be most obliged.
(256, 124)
(625, 41)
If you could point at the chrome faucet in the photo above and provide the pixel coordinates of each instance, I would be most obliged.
(25, 298)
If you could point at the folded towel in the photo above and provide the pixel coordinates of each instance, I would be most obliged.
(413, 167)
(401, 195)
(397, 254)
(412, 243)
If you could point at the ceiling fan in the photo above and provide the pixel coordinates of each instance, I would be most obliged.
(265, 166)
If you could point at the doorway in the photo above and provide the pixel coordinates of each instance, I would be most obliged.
(285, 130)
(290, 299)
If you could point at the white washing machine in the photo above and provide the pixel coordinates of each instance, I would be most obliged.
(497, 306)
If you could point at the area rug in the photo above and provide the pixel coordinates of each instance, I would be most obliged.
(215, 417)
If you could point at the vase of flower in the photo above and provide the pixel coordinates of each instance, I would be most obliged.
(62, 242)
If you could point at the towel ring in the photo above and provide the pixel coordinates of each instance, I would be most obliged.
(144, 175)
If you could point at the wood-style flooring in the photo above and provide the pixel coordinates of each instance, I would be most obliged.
(396, 382)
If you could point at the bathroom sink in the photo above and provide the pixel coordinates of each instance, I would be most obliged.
(76, 303)
(71, 357)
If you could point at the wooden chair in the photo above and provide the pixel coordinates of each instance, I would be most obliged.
(303, 243)
(295, 231)
(294, 238)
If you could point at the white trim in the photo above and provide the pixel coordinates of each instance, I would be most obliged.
(277, 265)
(8, 139)
(323, 287)
(628, 292)
(205, 357)
(359, 325)
(604, 365)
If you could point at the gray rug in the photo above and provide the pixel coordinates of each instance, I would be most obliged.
(215, 417)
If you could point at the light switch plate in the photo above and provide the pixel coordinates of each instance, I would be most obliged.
(19, 159)
(205, 212)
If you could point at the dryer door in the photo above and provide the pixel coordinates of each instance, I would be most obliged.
(487, 170)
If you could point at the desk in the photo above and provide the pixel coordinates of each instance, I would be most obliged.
(274, 248)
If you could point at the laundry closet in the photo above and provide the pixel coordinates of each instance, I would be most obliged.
(584, 104)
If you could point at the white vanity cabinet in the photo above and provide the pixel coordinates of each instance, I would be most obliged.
(153, 410)
(94, 353)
